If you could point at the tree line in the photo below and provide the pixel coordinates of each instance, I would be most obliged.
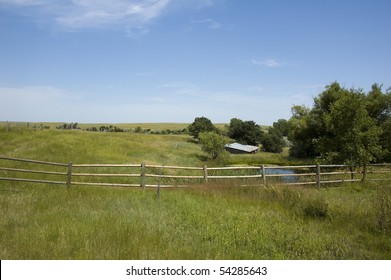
(344, 126)
(213, 140)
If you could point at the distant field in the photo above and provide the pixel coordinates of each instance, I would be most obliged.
(95, 147)
(152, 126)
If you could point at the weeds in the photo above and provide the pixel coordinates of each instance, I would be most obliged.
(383, 205)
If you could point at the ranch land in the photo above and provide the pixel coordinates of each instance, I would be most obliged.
(214, 220)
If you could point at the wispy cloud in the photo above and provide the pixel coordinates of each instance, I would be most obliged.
(133, 16)
(270, 62)
(88, 13)
(209, 23)
(24, 2)
(79, 14)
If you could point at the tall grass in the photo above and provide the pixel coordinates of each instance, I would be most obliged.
(207, 222)
(95, 147)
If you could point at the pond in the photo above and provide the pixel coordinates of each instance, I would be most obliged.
(285, 179)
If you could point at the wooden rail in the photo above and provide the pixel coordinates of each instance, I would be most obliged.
(141, 175)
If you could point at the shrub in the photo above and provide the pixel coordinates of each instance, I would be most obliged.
(213, 144)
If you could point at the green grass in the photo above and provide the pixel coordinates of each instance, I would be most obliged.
(53, 125)
(100, 147)
(95, 147)
(212, 221)
(205, 222)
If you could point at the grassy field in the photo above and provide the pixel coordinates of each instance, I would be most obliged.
(211, 221)
(205, 222)
(126, 126)
(95, 147)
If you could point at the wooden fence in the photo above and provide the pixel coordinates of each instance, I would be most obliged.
(146, 175)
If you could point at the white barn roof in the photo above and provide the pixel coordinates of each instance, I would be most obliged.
(244, 148)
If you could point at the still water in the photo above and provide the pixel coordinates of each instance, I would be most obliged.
(285, 179)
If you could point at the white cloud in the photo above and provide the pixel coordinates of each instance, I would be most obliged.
(24, 2)
(209, 23)
(79, 14)
(272, 63)
(88, 13)
(133, 16)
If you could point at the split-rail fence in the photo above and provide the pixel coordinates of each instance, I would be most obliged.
(149, 175)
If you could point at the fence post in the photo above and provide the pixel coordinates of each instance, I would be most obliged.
(263, 174)
(143, 175)
(318, 175)
(351, 172)
(69, 174)
(205, 173)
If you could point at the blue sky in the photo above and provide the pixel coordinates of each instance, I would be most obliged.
(118, 61)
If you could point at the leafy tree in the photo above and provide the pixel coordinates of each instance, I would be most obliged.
(344, 126)
(385, 140)
(213, 144)
(282, 126)
(272, 141)
(201, 124)
(301, 133)
(245, 132)
(355, 138)
(378, 104)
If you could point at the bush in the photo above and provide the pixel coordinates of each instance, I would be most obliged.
(213, 144)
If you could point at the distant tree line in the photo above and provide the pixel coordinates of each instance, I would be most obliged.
(345, 126)
(214, 140)
(68, 126)
(113, 128)
(106, 128)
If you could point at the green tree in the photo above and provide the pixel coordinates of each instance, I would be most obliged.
(354, 137)
(344, 126)
(378, 104)
(301, 133)
(385, 140)
(272, 141)
(213, 144)
(282, 126)
(245, 132)
(201, 124)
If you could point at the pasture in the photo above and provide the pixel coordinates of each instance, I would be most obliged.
(207, 221)
(204, 222)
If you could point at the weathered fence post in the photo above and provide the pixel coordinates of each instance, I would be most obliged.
(263, 174)
(205, 173)
(143, 175)
(69, 174)
(318, 175)
(351, 172)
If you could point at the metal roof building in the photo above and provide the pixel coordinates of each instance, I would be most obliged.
(237, 148)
